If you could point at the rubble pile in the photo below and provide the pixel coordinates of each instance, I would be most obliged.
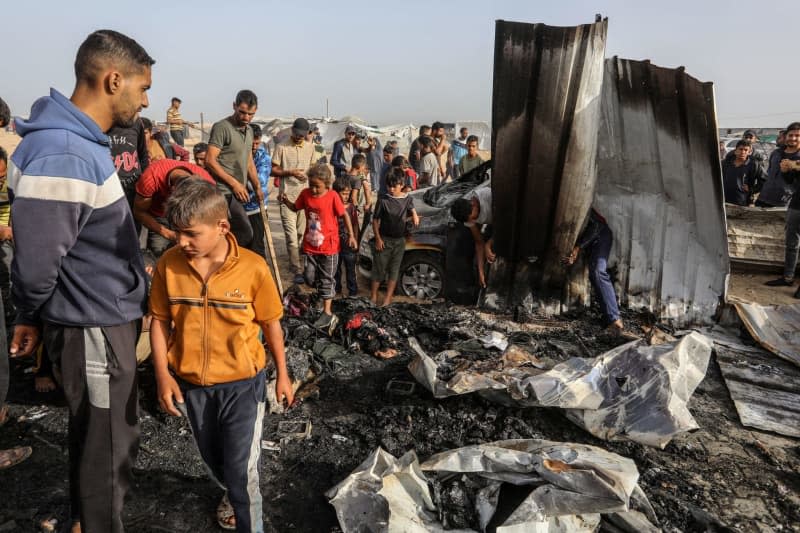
(354, 402)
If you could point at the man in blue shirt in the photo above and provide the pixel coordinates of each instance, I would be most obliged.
(263, 163)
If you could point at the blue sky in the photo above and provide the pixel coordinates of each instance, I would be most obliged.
(410, 61)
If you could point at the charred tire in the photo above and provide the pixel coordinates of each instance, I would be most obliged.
(422, 275)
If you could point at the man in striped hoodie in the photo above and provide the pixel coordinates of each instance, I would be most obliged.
(78, 277)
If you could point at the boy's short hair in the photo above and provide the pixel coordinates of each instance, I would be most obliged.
(423, 129)
(3, 155)
(199, 148)
(793, 126)
(5, 114)
(398, 161)
(256, 132)
(341, 184)
(437, 125)
(744, 143)
(359, 160)
(472, 138)
(395, 177)
(426, 141)
(195, 201)
(246, 97)
(176, 99)
(461, 209)
(321, 172)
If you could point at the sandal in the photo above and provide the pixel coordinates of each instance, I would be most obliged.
(225, 515)
(14, 456)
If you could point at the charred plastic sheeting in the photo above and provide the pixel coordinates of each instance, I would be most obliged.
(545, 117)
(570, 485)
(636, 391)
(764, 388)
(659, 185)
(756, 235)
(775, 327)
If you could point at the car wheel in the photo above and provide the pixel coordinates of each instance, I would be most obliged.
(422, 275)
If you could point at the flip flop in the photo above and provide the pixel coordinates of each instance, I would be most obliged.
(225, 513)
(14, 456)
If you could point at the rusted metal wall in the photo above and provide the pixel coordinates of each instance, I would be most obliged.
(660, 187)
(545, 117)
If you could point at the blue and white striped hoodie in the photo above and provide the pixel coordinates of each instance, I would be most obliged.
(77, 260)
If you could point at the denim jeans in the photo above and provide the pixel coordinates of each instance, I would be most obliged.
(347, 263)
(598, 252)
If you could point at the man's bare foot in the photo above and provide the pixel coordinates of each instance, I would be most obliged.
(44, 383)
(3, 415)
(76, 527)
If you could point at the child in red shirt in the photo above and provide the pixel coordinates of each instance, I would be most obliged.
(321, 239)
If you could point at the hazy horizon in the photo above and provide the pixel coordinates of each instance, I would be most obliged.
(389, 63)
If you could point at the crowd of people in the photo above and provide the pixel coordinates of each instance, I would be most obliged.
(92, 176)
(753, 178)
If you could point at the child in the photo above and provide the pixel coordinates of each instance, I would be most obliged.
(347, 256)
(210, 361)
(321, 239)
(472, 159)
(389, 226)
(358, 176)
(429, 175)
(410, 180)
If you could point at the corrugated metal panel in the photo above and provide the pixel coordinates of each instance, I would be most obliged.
(660, 187)
(756, 235)
(545, 115)
(765, 389)
(775, 327)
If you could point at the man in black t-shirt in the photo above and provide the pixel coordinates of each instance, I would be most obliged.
(740, 174)
(129, 152)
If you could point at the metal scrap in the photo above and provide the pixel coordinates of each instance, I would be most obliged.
(764, 388)
(547, 84)
(570, 485)
(659, 186)
(636, 391)
(775, 327)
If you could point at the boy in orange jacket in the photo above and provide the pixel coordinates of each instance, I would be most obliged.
(217, 296)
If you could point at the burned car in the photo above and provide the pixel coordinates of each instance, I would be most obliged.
(422, 274)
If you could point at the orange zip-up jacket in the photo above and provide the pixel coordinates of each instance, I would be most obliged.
(216, 324)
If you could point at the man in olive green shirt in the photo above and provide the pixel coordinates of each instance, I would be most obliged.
(229, 160)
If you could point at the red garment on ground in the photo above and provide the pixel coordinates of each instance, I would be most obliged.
(154, 184)
(321, 216)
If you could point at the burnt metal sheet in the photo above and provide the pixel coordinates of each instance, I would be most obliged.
(775, 327)
(659, 184)
(571, 485)
(756, 235)
(636, 391)
(764, 388)
(545, 116)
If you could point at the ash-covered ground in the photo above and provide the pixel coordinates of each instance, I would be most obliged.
(721, 477)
